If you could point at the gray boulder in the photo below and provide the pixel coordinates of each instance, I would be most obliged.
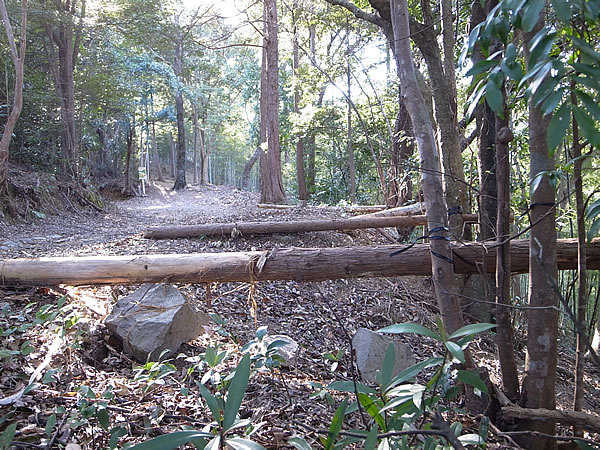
(154, 318)
(370, 348)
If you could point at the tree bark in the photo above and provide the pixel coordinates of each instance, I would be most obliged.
(248, 167)
(18, 59)
(351, 165)
(300, 174)
(300, 264)
(127, 189)
(538, 389)
(437, 210)
(589, 422)
(247, 228)
(180, 181)
(270, 170)
(195, 126)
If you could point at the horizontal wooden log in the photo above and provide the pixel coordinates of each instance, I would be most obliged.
(414, 209)
(300, 264)
(585, 421)
(248, 228)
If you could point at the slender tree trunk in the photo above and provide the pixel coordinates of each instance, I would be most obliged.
(195, 125)
(504, 331)
(582, 294)
(127, 189)
(540, 365)
(437, 210)
(155, 155)
(351, 165)
(180, 181)
(402, 149)
(300, 176)
(18, 59)
(204, 155)
(248, 167)
(271, 177)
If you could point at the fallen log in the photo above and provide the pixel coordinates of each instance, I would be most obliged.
(414, 209)
(247, 228)
(588, 422)
(299, 264)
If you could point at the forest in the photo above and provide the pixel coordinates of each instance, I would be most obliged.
(301, 170)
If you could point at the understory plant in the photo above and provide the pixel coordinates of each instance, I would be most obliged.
(401, 413)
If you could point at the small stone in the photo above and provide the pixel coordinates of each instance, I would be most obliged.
(370, 349)
(155, 318)
(289, 351)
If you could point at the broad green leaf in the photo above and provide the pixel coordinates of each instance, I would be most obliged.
(531, 14)
(389, 361)
(103, 418)
(587, 69)
(593, 210)
(50, 423)
(348, 386)
(474, 100)
(558, 128)
(371, 442)
(481, 67)
(562, 8)
(171, 440)
(7, 436)
(541, 48)
(587, 125)
(336, 425)
(590, 104)
(299, 443)
(472, 379)
(261, 332)
(594, 230)
(115, 434)
(236, 391)
(414, 370)
(552, 101)
(539, 77)
(586, 48)
(211, 401)
(372, 409)
(456, 351)
(587, 81)
(494, 98)
(471, 439)
(243, 444)
(472, 329)
(403, 328)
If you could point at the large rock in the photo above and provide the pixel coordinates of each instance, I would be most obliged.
(288, 351)
(155, 318)
(370, 348)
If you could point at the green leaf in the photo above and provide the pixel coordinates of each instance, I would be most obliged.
(50, 424)
(531, 14)
(211, 401)
(587, 125)
(472, 379)
(348, 386)
(539, 78)
(236, 391)
(336, 425)
(494, 98)
(372, 409)
(472, 329)
(594, 230)
(371, 442)
(481, 67)
(403, 328)
(540, 47)
(299, 443)
(31, 387)
(7, 436)
(456, 351)
(590, 104)
(387, 370)
(586, 48)
(171, 440)
(115, 434)
(474, 100)
(562, 8)
(471, 439)
(413, 371)
(590, 82)
(243, 444)
(103, 418)
(593, 210)
(587, 69)
(558, 128)
(552, 101)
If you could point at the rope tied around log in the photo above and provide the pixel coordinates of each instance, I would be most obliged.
(433, 237)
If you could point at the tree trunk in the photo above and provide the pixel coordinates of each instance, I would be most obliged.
(270, 171)
(300, 264)
(248, 167)
(180, 181)
(155, 155)
(300, 176)
(437, 210)
(351, 165)
(127, 189)
(18, 59)
(403, 147)
(540, 365)
(195, 125)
